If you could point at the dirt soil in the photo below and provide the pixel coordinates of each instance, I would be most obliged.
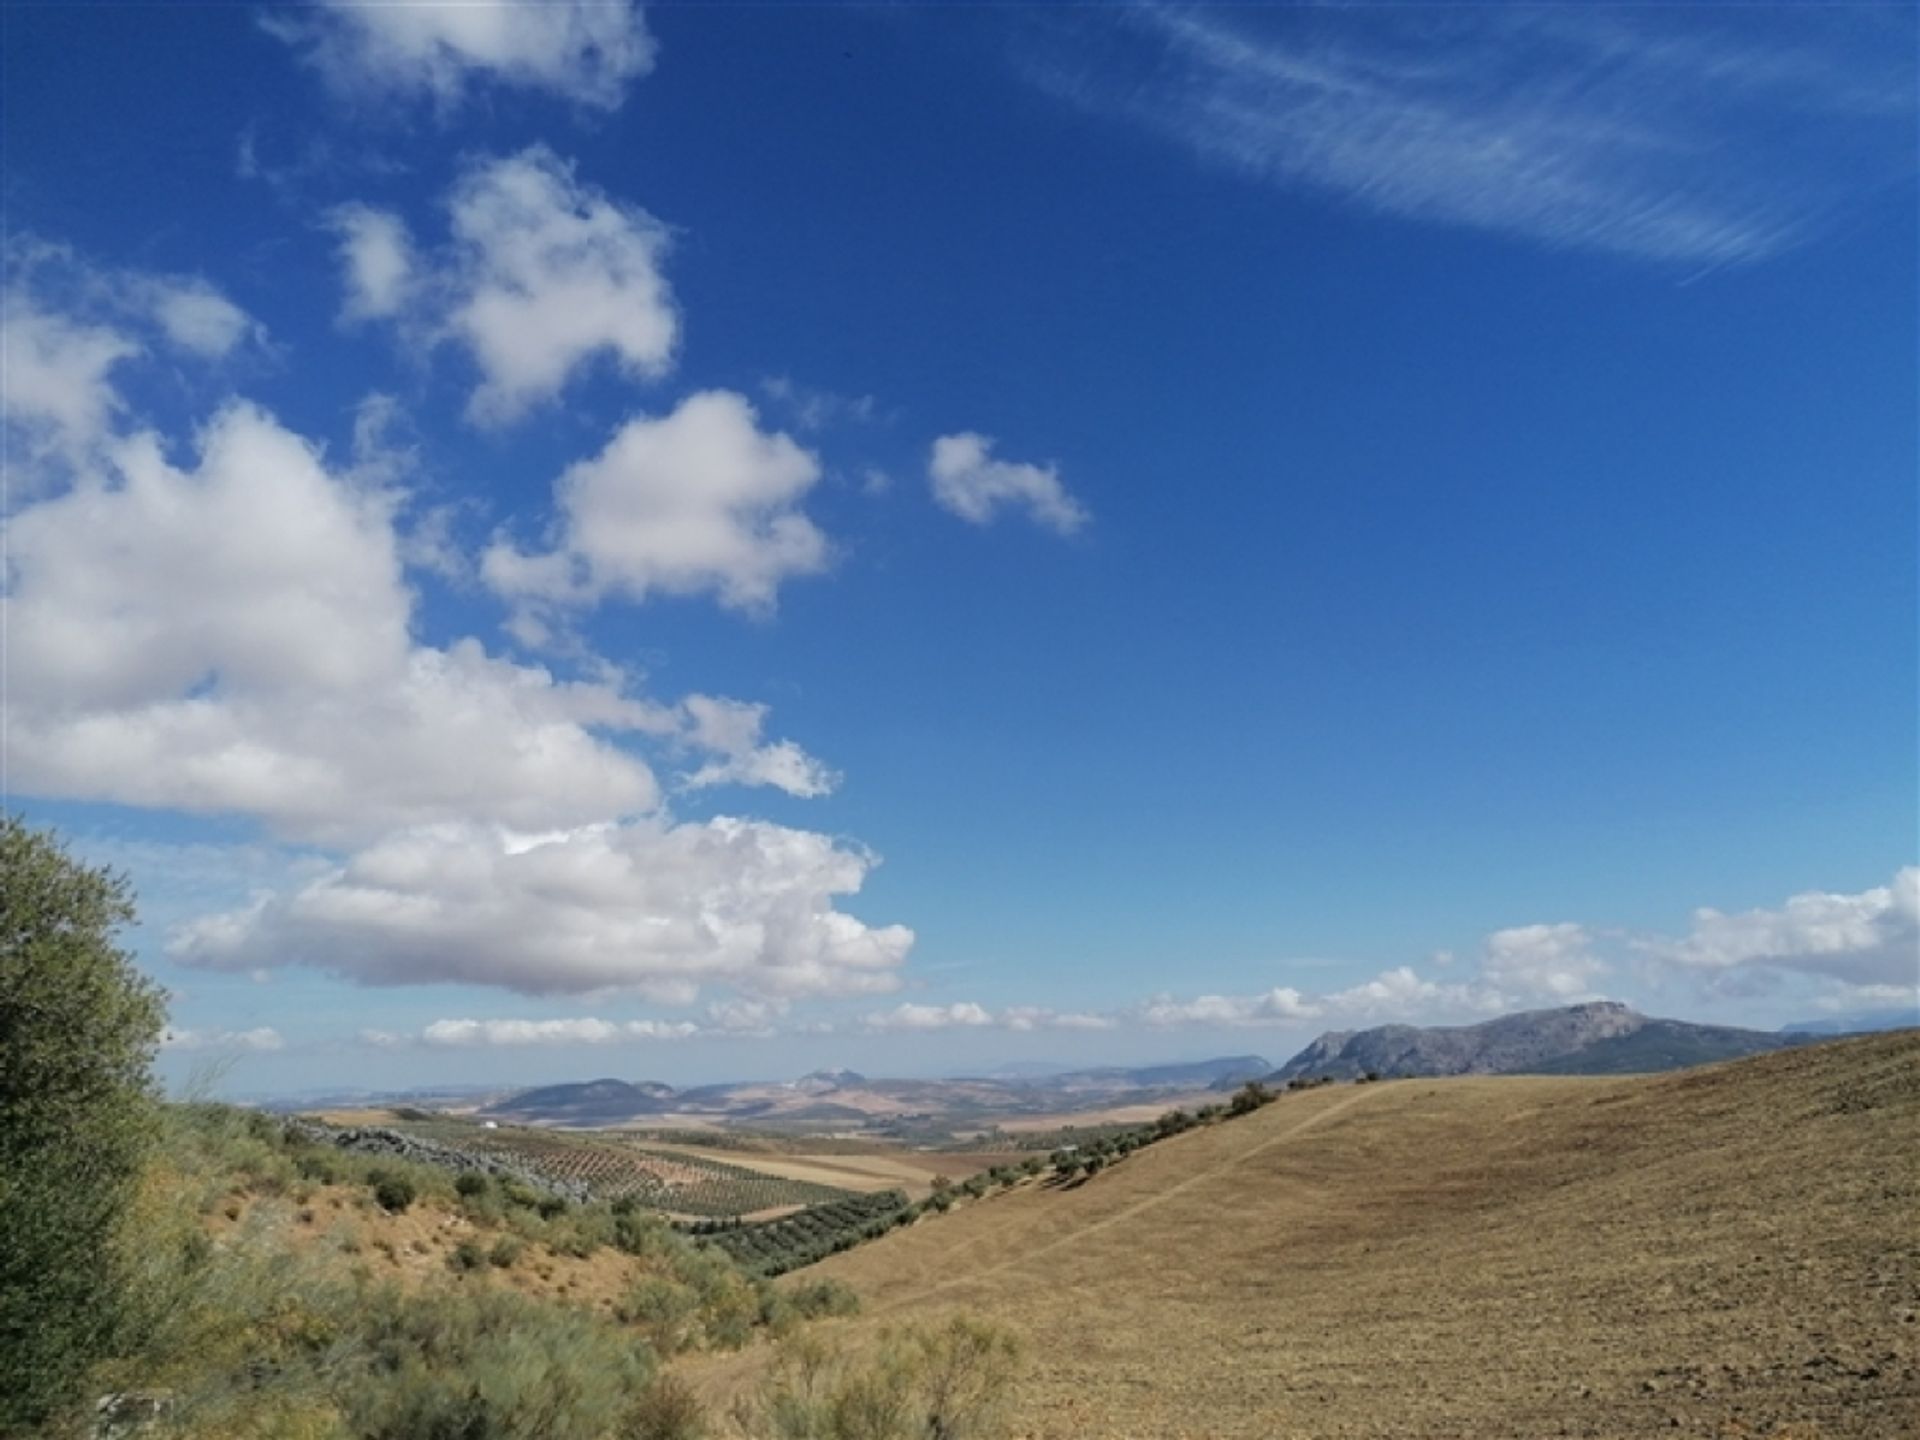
(1730, 1252)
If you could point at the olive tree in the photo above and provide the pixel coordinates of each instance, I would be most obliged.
(78, 1028)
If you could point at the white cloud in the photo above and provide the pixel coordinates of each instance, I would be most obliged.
(159, 661)
(1282, 1005)
(376, 254)
(1392, 995)
(66, 326)
(198, 318)
(58, 399)
(584, 51)
(731, 730)
(1554, 961)
(976, 487)
(586, 1031)
(259, 1040)
(541, 276)
(1037, 1017)
(1867, 939)
(1658, 135)
(908, 1016)
(551, 274)
(965, 1015)
(698, 500)
(646, 906)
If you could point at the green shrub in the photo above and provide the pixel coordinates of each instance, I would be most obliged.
(661, 1309)
(506, 1250)
(393, 1192)
(488, 1364)
(815, 1298)
(1249, 1097)
(467, 1255)
(469, 1184)
(78, 1028)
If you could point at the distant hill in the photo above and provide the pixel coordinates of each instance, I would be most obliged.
(840, 1100)
(1666, 1045)
(1197, 1074)
(1602, 1037)
(590, 1102)
(1861, 1023)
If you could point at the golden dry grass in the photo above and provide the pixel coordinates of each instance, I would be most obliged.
(1727, 1252)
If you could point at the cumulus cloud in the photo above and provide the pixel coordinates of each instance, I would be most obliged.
(376, 258)
(232, 632)
(970, 483)
(647, 906)
(198, 318)
(1555, 961)
(264, 1038)
(552, 273)
(58, 398)
(1869, 939)
(700, 500)
(158, 661)
(541, 275)
(731, 730)
(1278, 1006)
(584, 51)
(66, 326)
(1528, 965)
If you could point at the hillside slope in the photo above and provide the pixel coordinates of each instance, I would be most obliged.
(1729, 1251)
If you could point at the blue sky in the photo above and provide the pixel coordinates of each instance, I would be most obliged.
(706, 542)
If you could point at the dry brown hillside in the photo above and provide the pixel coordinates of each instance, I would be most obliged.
(1726, 1252)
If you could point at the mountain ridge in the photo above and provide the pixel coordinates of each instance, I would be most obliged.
(1595, 1037)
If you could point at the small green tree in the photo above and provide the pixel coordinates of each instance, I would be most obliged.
(78, 1029)
(1249, 1097)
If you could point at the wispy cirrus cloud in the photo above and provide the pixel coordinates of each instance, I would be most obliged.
(1660, 136)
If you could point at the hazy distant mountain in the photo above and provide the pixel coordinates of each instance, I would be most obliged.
(1192, 1075)
(1602, 1037)
(426, 1097)
(1857, 1024)
(845, 1099)
(592, 1102)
